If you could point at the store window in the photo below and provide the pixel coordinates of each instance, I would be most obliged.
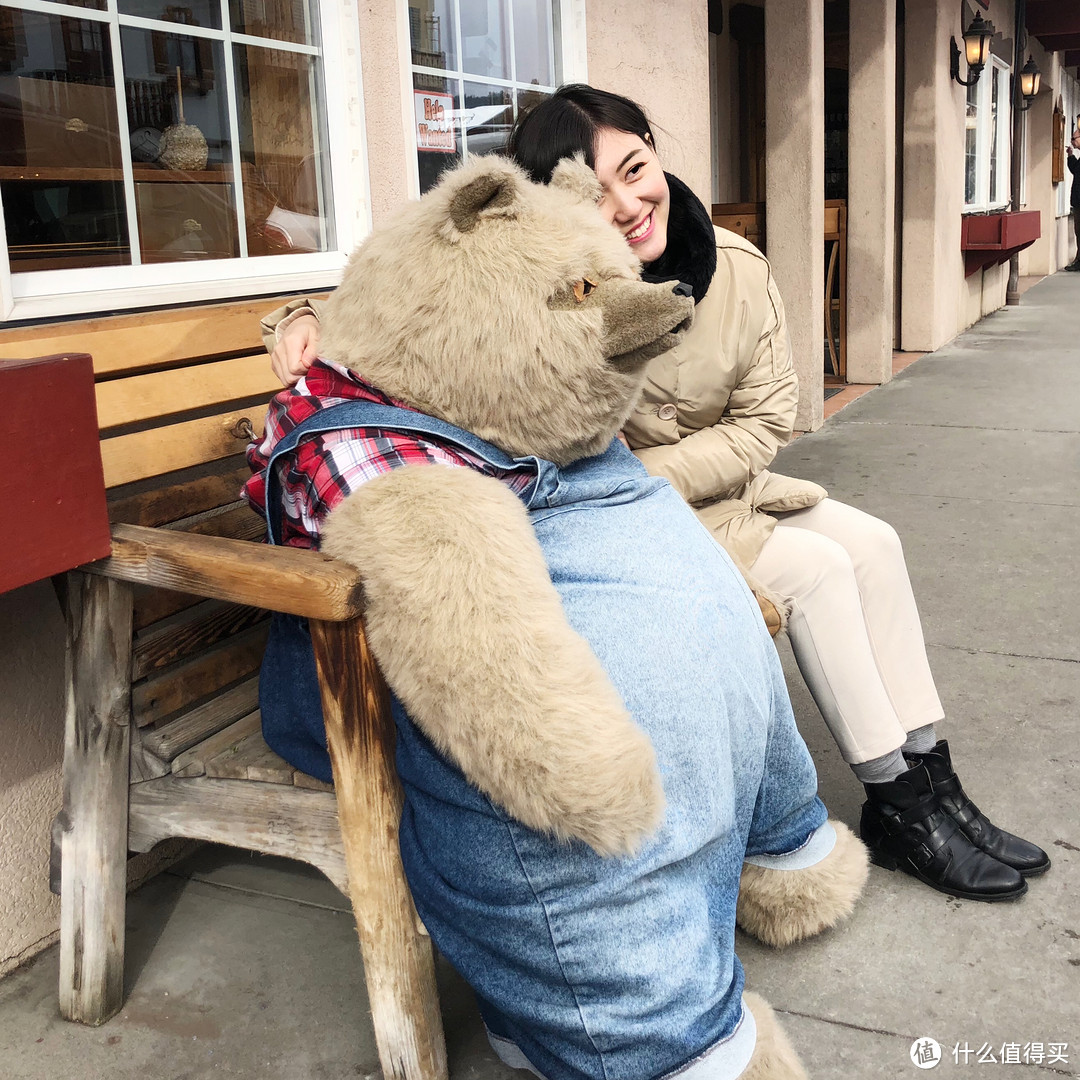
(476, 64)
(149, 142)
(986, 140)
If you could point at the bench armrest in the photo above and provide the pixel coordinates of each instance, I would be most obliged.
(285, 579)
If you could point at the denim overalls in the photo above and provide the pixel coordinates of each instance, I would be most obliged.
(608, 969)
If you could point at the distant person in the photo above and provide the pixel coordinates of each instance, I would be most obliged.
(1073, 158)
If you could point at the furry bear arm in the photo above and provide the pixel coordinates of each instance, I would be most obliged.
(472, 638)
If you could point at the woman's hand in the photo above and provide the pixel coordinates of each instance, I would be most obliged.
(297, 350)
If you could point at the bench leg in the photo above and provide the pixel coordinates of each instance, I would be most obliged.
(93, 824)
(398, 961)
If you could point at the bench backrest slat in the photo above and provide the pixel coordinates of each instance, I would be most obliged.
(142, 454)
(159, 394)
(149, 339)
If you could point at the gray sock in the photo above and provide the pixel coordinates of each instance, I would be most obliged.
(881, 770)
(920, 741)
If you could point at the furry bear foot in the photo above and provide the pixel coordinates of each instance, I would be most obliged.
(774, 1058)
(780, 907)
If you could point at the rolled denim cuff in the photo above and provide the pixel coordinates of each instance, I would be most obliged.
(818, 844)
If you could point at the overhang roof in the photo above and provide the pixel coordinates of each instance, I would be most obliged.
(1056, 23)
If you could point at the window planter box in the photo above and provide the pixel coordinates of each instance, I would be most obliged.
(989, 239)
(58, 519)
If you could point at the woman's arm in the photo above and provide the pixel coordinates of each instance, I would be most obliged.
(291, 337)
(758, 419)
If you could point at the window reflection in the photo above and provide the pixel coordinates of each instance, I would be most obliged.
(533, 57)
(285, 20)
(488, 116)
(60, 159)
(189, 13)
(431, 29)
(971, 131)
(286, 188)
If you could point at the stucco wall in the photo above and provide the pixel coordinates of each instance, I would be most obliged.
(32, 723)
(658, 54)
(934, 105)
(384, 40)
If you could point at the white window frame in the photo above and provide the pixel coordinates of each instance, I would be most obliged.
(997, 71)
(43, 294)
(570, 66)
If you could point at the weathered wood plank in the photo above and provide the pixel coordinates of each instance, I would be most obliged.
(204, 721)
(163, 505)
(312, 783)
(239, 523)
(150, 339)
(195, 631)
(270, 818)
(93, 832)
(192, 762)
(153, 605)
(198, 386)
(398, 962)
(159, 697)
(251, 759)
(141, 454)
(291, 580)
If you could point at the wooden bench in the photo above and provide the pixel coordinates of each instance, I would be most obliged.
(165, 638)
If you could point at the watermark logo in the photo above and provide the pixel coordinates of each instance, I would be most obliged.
(925, 1053)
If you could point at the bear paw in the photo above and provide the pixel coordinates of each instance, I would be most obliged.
(774, 1058)
(780, 907)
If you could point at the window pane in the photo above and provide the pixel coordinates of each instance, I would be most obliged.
(286, 182)
(285, 20)
(193, 13)
(995, 85)
(431, 28)
(181, 146)
(526, 99)
(60, 160)
(485, 41)
(532, 42)
(489, 113)
(971, 131)
(437, 109)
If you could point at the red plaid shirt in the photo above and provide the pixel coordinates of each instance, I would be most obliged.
(323, 469)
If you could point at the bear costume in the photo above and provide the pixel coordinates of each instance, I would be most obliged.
(602, 772)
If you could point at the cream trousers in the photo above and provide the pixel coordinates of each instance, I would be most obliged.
(854, 627)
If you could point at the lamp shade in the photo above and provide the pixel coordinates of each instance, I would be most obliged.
(1030, 78)
(977, 41)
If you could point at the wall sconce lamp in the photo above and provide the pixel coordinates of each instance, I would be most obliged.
(1030, 81)
(977, 48)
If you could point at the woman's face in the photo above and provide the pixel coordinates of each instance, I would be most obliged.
(636, 196)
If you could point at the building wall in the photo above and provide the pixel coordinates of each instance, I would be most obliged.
(32, 722)
(658, 54)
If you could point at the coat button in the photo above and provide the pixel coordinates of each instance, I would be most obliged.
(667, 412)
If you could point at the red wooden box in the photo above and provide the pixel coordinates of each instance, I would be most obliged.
(56, 517)
(988, 239)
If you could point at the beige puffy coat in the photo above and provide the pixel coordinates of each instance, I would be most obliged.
(716, 409)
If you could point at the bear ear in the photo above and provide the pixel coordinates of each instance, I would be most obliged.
(492, 188)
(573, 175)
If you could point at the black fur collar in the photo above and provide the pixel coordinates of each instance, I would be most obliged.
(690, 255)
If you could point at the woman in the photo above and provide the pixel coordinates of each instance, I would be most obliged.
(713, 414)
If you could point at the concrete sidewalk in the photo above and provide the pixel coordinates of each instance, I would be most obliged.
(248, 967)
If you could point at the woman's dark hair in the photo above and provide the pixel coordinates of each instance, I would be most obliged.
(566, 123)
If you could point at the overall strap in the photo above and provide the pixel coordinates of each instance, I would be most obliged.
(370, 414)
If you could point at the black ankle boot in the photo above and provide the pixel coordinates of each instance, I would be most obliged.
(1006, 848)
(906, 829)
